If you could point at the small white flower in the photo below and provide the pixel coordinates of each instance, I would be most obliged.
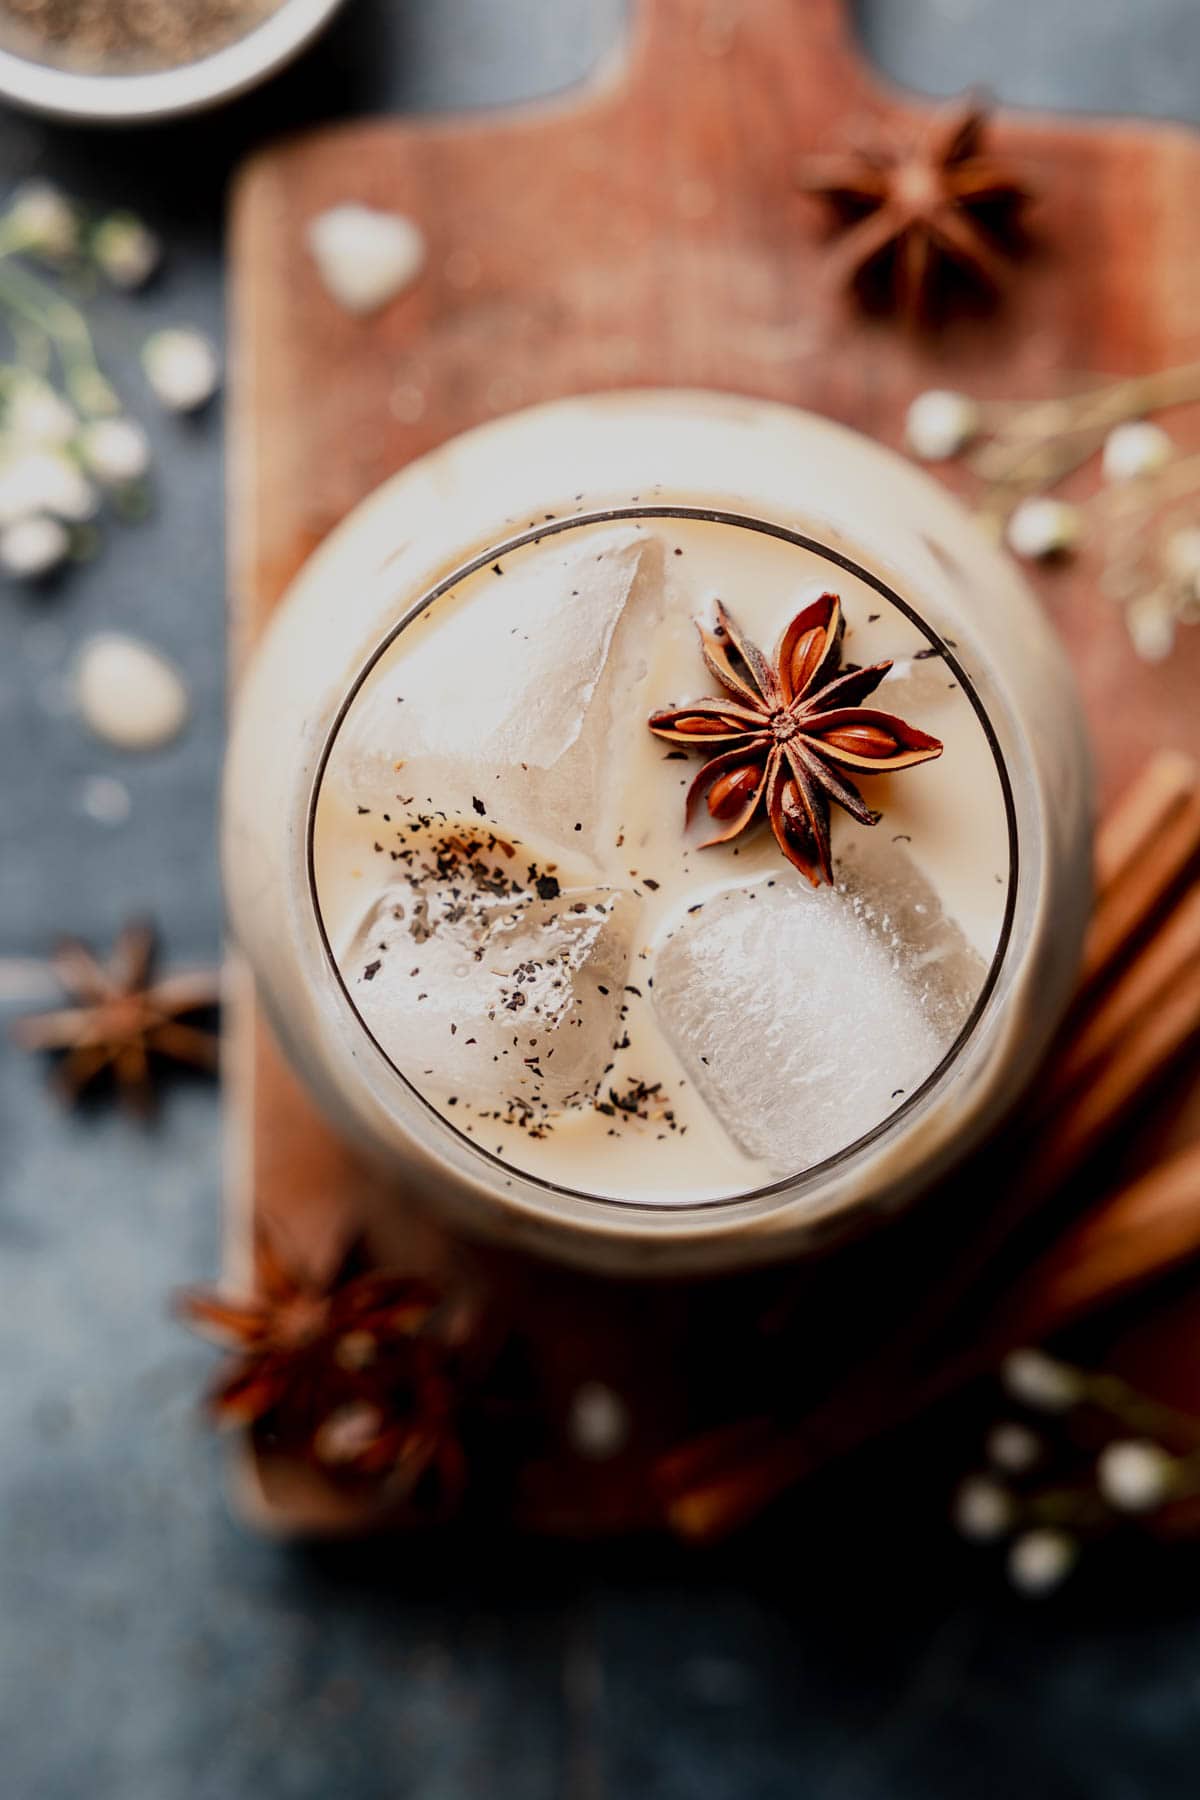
(1042, 527)
(1150, 620)
(38, 416)
(117, 451)
(365, 257)
(44, 220)
(33, 546)
(1041, 1559)
(1134, 1475)
(45, 481)
(1039, 1381)
(128, 693)
(597, 1422)
(983, 1510)
(182, 367)
(940, 423)
(126, 250)
(1013, 1447)
(1136, 448)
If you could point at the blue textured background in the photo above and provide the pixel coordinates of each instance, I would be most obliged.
(148, 1649)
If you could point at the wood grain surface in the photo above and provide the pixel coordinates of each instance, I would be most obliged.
(651, 231)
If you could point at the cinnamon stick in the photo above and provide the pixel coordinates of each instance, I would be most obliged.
(1167, 957)
(1139, 1061)
(1065, 1125)
(1135, 1237)
(1139, 1234)
(1128, 904)
(1132, 825)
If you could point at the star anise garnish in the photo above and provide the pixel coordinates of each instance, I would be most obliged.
(918, 209)
(788, 733)
(354, 1371)
(122, 1018)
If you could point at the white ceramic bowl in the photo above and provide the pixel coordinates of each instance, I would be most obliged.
(164, 93)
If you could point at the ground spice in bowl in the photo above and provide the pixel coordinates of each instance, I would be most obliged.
(126, 36)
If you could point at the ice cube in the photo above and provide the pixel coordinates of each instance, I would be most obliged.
(512, 697)
(901, 909)
(804, 1016)
(506, 1003)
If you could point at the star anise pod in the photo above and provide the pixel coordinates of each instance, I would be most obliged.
(918, 209)
(121, 1017)
(788, 734)
(351, 1371)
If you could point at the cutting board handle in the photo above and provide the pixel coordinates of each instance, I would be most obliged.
(677, 42)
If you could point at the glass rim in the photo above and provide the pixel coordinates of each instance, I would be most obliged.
(784, 1188)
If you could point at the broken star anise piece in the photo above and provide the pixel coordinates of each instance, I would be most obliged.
(352, 1372)
(788, 733)
(122, 1017)
(919, 209)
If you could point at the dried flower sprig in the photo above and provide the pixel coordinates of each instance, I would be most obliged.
(1100, 1458)
(1146, 515)
(65, 443)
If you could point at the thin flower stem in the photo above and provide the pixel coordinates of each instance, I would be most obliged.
(1079, 1508)
(1034, 445)
(31, 346)
(1140, 1413)
(14, 241)
(26, 297)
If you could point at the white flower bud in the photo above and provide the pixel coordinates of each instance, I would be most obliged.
(33, 546)
(45, 481)
(182, 367)
(597, 1422)
(38, 416)
(126, 250)
(940, 423)
(1041, 527)
(117, 451)
(1136, 448)
(44, 220)
(983, 1510)
(364, 257)
(1013, 1447)
(1134, 1475)
(1150, 621)
(1039, 1381)
(1040, 1560)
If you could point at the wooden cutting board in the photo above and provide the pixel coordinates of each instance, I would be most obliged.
(650, 231)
